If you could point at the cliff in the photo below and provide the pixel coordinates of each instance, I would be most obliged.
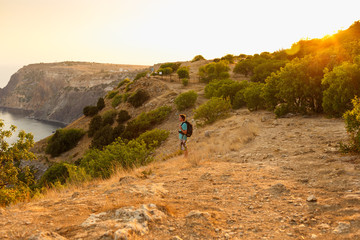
(60, 91)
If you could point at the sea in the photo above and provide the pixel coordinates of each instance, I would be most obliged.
(39, 129)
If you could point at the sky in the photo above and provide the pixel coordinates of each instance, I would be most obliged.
(146, 32)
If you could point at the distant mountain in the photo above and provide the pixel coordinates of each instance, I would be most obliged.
(60, 91)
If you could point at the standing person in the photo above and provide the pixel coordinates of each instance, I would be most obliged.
(182, 134)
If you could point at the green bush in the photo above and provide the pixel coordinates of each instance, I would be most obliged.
(145, 121)
(112, 94)
(138, 98)
(118, 131)
(116, 101)
(253, 96)
(197, 58)
(153, 138)
(58, 172)
(95, 125)
(103, 137)
(174, 66)
(123, 116)
(101, 164)
(214, 70)
(185, 81)
(140, 75)
(342, 84)
(125, 81)
(90, 111)
(352, 125)
(212, 110)
(109, 117)
(63, 140)
(183, 72)
(225, 88)
(186, 100)
(100, 104)
(229, 58)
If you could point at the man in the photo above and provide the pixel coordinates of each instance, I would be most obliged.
(182, 134)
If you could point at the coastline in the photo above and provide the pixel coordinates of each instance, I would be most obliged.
(27, 114)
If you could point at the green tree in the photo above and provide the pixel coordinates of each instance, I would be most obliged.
(342, 84)
(13, 187)
(63, 140)
(186, 100)
(95, 124)
(253, 96)
(183, 72)
(352, 125)
(100, 104)
(212, 110)
(214, 70)
(197, 58)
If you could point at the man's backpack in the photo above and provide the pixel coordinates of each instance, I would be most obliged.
(189, 128)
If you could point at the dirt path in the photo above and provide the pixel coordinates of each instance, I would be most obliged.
(250, 176)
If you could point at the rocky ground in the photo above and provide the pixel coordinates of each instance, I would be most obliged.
(250, 176)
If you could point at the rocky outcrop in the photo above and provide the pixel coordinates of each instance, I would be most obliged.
(60, 91)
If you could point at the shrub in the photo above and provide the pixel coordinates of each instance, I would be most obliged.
(125, 81)
(174, 66)
(224, 88)
(145, 121)
(252, 96)
(56, 173)
(197, 58)
(109, 117)
(15, 182)
(95, 125)
(100, 104)
(153, 138)
(118, 131)
(229, 58)
(185, 81)
(116, 101)
(186, 100)
(90, 111)
(140, 75)
(183, 72)
(214, 70)
(101, 164)
(138, 98)
(63, 140)
(103, 137)
(112, 94)
(352, 125)
(342, 83)
(239, 99)
(212, 110)
(123, 116)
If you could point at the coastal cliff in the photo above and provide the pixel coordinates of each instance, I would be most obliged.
(59, 91)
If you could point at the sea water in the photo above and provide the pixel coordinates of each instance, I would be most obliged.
(39, 129)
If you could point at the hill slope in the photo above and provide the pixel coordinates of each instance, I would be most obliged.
(250, 176)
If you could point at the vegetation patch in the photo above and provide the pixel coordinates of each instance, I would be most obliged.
(63, 140)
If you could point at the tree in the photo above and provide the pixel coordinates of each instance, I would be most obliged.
(253, 97)
(212, 110)
(343, 83)
(197, 58)
(183, 72)
(352, 125)
(186, 100)
(214, 70)
(100, 104)
(15, 182)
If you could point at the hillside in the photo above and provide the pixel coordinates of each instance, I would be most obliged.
(59, 91)
(251, 176)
